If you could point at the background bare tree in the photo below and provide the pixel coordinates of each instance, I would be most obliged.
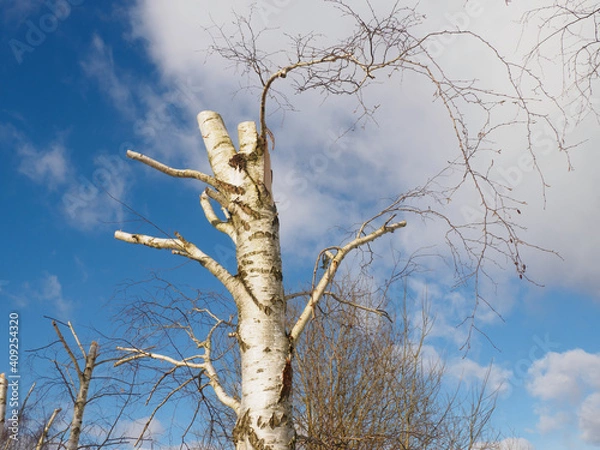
(176, 323)
(81, 381)
(365, 381)
(29, 430)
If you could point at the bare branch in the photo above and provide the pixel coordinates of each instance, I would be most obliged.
(44, 435)
(339, 299)
(68, 350)
(81, 349)
(205, 366)
(331, 270)
(180, 173)
(182, 247)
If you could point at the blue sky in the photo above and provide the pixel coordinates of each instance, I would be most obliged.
(105, 78)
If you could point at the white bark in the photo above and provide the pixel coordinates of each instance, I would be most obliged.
(85, 377)
(264, 419)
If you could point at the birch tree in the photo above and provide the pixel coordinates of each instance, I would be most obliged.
(385, 44)
(77, 379)
(79, 394)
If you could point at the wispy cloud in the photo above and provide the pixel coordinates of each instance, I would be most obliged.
(48, 167)
(45, 294)
(89, 202)
(100, 66)
(14, 13)
(162, 116)
(18, 300)
(48, 164)
(49, 290)
(86, 200)
(506, 444)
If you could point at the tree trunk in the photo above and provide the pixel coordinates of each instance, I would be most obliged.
(264, 416)
(85, 378)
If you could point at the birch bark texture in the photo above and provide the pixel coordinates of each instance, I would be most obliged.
(241, 186)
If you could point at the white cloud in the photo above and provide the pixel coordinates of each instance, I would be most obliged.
(515, 444)
(320, 189)
(15, 13)
(50, 291)
(564, 376)
(412, 134)
(45, 293)
(133, 430)
(568, 388)
(99, 65)
(88, 202)
(84, 200)
(49, 167)
(550, 420)
(19, 300)
(473, 373)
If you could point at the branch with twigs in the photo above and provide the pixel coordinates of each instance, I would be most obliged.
(339, 299)
(182, 247)
(334, 263)
(201, 362)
